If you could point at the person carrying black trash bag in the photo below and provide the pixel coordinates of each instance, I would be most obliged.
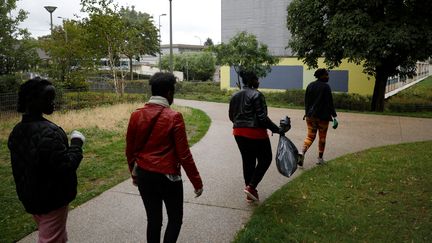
(43, 163)
(248, 112)
(319, 111)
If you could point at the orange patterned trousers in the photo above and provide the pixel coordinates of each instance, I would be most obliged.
(315, 125)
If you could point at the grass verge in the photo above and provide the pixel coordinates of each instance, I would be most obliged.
(379, 195)
(103, 166)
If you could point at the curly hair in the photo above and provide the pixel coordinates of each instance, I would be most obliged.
(161, 83)
(30, 90)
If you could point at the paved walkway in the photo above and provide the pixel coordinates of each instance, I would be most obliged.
(118, 214)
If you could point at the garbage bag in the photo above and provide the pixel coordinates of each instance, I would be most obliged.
(286, 156)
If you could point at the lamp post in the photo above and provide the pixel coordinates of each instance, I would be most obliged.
(198, 39)
(160, 64)
(50, 9)
(64, 28)
(171, 50)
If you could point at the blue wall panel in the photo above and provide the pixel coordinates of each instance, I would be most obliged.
(281, 77)
(338, 80)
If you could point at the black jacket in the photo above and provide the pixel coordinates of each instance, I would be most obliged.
(248, 109)
(319, 101)
(43, 164)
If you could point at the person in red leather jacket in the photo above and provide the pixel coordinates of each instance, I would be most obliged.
(156, 147)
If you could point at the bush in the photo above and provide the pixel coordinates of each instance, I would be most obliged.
(9, 83)
(353, 102)
(67, 100)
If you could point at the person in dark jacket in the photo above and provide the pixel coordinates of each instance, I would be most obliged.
(319, 111)
(156, 148)
(43, 163)
(248, 112)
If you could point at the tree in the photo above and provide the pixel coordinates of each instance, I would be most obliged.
(386, 37)
(244, 52)
(208, 42)
(195, 66)
(141, 36)
(17, 51)
(67, 49)
(105, 34)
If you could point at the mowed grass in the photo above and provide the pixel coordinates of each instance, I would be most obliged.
(104, 164)
(379, 195)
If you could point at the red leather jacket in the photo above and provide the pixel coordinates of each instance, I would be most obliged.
(167, 147)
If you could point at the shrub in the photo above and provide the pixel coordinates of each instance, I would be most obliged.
(9, 83)
(67, 100)
(354, 102)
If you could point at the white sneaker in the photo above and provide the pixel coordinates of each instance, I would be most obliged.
(320, 161)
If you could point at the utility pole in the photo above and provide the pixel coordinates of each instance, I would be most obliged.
(171, 50)
(160, 60)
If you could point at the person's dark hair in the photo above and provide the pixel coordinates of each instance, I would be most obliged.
(161, 83)
(248, 76)
(29, 91)
(319, 72)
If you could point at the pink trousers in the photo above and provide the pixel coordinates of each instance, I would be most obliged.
(52, 226)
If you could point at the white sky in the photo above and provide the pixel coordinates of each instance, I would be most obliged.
(193, 20)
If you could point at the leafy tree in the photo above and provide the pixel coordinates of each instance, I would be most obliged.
(208, 42)
(195, 66)
(17, 51)
(69, 56)
(386, 37)
(141, 36)
(244, 52)
(105, 34)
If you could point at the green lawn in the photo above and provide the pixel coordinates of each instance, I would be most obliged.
(103, 166)
(379, 195)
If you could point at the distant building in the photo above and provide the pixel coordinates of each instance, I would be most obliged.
(165, 50)
(267, 21)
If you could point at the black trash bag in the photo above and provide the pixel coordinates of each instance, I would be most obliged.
(286, 156)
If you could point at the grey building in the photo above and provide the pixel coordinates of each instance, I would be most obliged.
(265, 19)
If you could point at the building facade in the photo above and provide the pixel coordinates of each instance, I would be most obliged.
(267, 21)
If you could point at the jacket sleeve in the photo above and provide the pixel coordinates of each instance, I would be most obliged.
(53, 149)
(130, 142)
(231, 110)
(330, 103)
(261, 113)
(183, 152)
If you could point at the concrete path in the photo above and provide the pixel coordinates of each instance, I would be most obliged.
(118, 214)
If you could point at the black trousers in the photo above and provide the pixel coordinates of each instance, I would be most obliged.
(156, 188)
(253, 151)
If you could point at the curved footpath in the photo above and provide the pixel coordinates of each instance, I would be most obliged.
(118, 214)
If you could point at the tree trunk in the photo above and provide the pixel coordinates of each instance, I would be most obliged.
(381, 78)
(113, 70)
(130, 68)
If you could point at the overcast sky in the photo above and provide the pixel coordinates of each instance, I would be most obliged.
(193, 20)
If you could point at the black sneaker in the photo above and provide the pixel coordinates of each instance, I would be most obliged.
(300, 160)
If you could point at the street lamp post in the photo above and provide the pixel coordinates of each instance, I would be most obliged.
(64, 28)
(171, 50)
(50, 9)
(160, 64)
(198, 39)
